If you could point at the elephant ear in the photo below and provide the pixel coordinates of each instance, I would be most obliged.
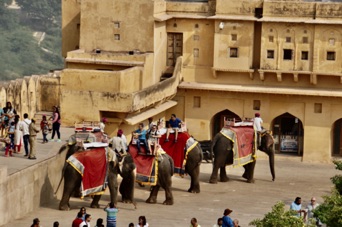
(269, 140)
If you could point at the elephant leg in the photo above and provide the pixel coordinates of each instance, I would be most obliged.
(72, 181)
(214, 174)
(95, 202)
(153, 194)
(271, 162)
(249, 172)
(194, 185)
(223, 174)
(166, 184)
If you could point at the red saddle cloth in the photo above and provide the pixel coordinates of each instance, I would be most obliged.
(145, 164)
(92, 165)
(176, 149)
(244, 143)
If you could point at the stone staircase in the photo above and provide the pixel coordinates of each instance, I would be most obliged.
(39, 115)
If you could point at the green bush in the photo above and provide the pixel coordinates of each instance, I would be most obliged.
(279, 217)
(330, 212)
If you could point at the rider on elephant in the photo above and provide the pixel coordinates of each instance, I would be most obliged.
(257, 127)
(118, 144)
(140, 136)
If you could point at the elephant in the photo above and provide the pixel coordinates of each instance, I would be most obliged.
(192, 167)
(223, 155)
(164, 180)
(72, 179)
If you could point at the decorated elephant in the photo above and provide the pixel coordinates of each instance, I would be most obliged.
(155, 171)
(187, 155)
(225, 150)
(73, 168)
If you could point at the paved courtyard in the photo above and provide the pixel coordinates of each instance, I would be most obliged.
(248, 201)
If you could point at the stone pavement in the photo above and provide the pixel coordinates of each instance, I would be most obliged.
(248, 201)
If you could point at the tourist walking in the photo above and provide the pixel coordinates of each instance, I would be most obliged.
(142, 222)
(18, 134)
(86, 222)
(44, 126)
(78, 220)
(26, 134)
(56, 124)
(297, 206)
(111, 214)
(193, 223)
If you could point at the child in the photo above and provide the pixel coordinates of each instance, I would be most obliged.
(111, 214)
(44, 126)
(153, 138)
(10, 145)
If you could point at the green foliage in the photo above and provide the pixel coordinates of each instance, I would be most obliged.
(279, 217)
(330, 212)
(21, 54)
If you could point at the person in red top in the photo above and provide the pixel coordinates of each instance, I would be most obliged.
(78, 220)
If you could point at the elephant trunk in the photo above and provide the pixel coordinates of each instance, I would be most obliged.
(271, 162)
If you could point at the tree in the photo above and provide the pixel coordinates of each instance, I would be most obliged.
(330, 212)
(278, 217)
(47, 12)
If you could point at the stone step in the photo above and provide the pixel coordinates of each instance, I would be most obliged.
(39, 115)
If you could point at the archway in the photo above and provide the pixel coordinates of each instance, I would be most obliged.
(337, 138)
(217, 121)
(288, 134)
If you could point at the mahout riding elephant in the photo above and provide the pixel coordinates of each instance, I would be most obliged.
(223, 155)
(72, 179)
(164, 179)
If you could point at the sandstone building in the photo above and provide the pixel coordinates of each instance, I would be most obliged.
(205, 60)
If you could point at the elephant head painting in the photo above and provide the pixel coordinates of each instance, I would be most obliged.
(222, 147)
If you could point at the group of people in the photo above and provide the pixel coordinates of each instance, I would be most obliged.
(307, 213)
(15, 132)
(225, 221)
(150, 138)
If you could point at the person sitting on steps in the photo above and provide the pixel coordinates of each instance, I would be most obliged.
(140, 136)
(174, 123)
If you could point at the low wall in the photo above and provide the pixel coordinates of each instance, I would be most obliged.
(28, 189)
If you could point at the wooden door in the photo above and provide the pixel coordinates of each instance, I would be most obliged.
(174, 47)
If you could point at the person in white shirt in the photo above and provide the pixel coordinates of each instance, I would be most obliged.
(257, 127)
(219, 223)
(118, 143)
(310, 208)
(86, 221)
(103, 124)
(26, 134)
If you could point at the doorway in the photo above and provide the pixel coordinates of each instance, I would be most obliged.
(217, 121)
(288, 134)
(337, 138)
(174, 48)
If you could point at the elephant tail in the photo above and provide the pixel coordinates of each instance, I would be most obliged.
(213, 143)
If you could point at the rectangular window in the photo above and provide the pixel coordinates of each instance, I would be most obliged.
(305, 55)
(196, 52)
(318, 108)
(332, 42)
(197, 101)
(287, 54)
(305, 39)
(233, 52)
(331, 55)
(116, 24)
(288, 39)
(234, 37)
(270, 39)
(196, 37)
(117, 36)
(256, 104)
(270, 54)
